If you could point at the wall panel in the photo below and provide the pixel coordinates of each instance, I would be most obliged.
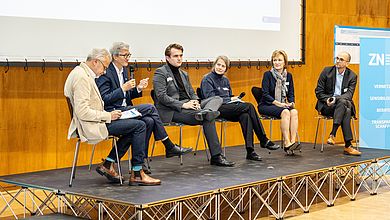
(35, 118)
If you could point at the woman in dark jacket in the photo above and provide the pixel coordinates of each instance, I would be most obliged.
(278, 98)
(233, 109)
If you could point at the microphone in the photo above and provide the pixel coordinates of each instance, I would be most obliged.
(131, 70)
(241, 95)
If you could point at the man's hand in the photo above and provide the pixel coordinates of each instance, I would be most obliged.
(143, 84)
(330, 101)
(192, 104)
(115, 115)
(128, 85)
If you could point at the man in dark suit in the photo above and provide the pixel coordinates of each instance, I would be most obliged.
(177, 102)
(117, 92)
(334, 92)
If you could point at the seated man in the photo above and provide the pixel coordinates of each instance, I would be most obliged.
(93, 124)
(334, 92)
(177, 102)
(117, 91)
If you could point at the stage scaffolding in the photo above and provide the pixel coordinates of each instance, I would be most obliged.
(272, 197)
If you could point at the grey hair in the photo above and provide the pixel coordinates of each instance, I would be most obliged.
(117, 47)
(98, 54)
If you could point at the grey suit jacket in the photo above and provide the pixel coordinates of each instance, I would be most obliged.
(167, 92)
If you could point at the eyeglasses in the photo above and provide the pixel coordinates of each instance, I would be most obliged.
(125, 55)
(340, 59)
(105, 67)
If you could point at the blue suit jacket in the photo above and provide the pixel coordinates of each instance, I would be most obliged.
(111, 92)
(268, 87)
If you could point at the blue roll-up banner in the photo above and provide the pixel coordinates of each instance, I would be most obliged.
(374, 95)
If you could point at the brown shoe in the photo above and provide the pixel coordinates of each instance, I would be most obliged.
(142, 180)
(111, 174)
(331, 140)
(351, 151)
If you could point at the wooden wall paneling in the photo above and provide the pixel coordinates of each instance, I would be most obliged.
(34, 115)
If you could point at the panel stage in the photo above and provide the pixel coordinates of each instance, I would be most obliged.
(196, 178)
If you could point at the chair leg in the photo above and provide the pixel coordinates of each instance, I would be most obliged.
(74, 164)
(118, 161)
(223, 136)
(129, 159)
(270, 132)
(197, 140)
(151, 155)
(323, 135)
(315, 139)
(354, 132)
(90, 160)
(180, 143)
(206, 148)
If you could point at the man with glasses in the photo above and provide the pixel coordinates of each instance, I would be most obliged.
(117, 92)
(92, 124)
(335, 89)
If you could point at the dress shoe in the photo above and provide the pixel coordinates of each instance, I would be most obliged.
(221, 161)
(253, 156)
(140, 178)
(297, 146)
(211, 115)
(331, 140)
(292, 146)
(206, 114)
(270, 145)
(199, 116)
(351, 151)
(177, 151)
(111, 174)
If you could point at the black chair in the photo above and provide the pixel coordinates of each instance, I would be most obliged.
(221, 120)
(257, 92)
(180, 125)
(76, 152)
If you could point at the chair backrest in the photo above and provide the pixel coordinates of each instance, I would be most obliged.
(257, 92)
(70, 107)
(153, 95)
(199, 93)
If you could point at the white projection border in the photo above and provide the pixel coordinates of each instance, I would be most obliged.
(347, 38)
(213, 30)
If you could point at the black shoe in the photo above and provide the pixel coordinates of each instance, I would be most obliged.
(176, 151)
(253, 156)
(290, 147)
(270, 145)
(146, 169)
(221, 161)
(211, 115)
(206, 114)
(199, 116)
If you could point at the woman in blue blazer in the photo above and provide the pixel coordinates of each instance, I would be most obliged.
(278, 98)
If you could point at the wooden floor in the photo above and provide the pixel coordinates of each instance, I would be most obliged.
(363, 208)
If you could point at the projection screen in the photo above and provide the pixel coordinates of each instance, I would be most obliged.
(67, 30)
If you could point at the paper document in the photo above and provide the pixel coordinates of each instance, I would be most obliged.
(132, 113)
(237, 100)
